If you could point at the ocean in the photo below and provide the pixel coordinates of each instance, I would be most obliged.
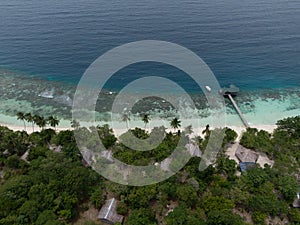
(47, 45)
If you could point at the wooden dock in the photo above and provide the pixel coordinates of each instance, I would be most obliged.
(238, 110)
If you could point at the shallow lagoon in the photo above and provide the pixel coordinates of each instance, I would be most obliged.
(25, 93)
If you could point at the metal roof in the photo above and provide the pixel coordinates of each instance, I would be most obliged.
(108, 212)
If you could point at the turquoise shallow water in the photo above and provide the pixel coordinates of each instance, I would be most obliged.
(21, 92)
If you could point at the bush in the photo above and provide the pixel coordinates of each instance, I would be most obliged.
(266, 204)
(224, 217)
(122, 208)
(259, 218)
(290, 126)
(45, 216)
(254, 178)
(39, 151)
(141, 217)
(97, 198)
(294, 216)
(13, 162)
(260, 140)
(230, 136)
(216, 203)
(187, 194)
(177, 217)
(288, 187)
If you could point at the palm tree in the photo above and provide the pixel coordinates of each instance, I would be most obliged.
(21, 116)
(197, 140)
(43, 122)
(206, 131)
(188, 129)
(75, 124)
(53, 121)
(146, 119)
(175, 123)
(126, 118)
(29, 119)
(36, 119)
(40, 121)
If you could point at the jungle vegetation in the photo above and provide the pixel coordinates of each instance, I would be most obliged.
(53, 185)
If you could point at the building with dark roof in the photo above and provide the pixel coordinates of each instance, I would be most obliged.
(246, 155)
(108, 213)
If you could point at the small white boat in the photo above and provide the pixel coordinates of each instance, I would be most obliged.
(208, 88)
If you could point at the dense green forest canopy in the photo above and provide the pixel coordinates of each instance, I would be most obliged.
(53, 185)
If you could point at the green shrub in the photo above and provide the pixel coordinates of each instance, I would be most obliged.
(259, 218)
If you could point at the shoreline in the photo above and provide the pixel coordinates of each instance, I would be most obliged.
(120, 127)
(46, 97)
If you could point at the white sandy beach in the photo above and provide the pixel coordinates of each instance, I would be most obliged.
(120, 127)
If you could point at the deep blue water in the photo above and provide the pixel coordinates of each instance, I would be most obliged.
(254, 44)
